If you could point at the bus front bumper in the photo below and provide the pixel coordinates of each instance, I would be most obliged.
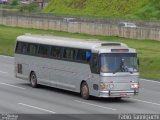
(118, 93)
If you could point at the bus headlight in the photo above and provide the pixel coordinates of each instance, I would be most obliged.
(135, 85)
(102, 86)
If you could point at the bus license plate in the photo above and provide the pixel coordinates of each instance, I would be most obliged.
(123, 94)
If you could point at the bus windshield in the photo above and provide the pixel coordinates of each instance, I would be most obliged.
(118, 62)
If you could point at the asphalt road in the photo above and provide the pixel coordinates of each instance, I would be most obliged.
(18, 97)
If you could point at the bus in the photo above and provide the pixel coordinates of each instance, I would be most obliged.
(89, 67)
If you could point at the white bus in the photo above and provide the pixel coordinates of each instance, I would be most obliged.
(89, 67)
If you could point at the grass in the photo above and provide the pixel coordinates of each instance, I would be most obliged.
(104, 8)
(20, 7)
(148, 50)
(121, 9)
(150, 11)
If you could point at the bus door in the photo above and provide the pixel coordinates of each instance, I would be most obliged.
(95, 70)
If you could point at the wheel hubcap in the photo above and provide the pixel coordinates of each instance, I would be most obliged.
(84, 91)
(33, 79)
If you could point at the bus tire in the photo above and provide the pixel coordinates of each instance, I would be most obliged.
(85, 91)
(33, 80)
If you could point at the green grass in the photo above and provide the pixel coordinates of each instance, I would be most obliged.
(150, 11)
(20, 7)
(148, 50)
(130, 9)
(95, 7)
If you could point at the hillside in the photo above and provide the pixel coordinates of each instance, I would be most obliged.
(147, 9)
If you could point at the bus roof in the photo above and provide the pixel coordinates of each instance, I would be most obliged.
(68, 42)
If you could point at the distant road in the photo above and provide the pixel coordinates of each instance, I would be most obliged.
(16, 96)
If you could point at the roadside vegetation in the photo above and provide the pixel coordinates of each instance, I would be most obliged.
(119, 9)
(15, 5)
(130, 9)
(148, 50)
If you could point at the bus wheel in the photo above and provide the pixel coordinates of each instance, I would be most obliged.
(85, 91)
(33, 80)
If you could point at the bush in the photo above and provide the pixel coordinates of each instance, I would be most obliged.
(14, 3)
(29, 8)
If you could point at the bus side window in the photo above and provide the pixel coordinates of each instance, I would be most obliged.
(73, 53)
(32, 49)
(43, 50)
(55, 52)
(94, 64)
(81, 55)
(66, 53)
(69, 53)
(21, 47)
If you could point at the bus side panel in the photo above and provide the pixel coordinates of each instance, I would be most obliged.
(58, 73)
(69, 75)
(21, 67)
(95, 81)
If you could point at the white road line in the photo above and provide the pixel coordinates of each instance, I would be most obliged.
(95, 105)
(6, 56)
(12, 86)
(38, 108)
(147, 102)
(150, 81)
(3, 72)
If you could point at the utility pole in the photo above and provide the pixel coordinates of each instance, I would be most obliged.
(42, 3)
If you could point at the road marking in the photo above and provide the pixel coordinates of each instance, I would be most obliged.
(150, 81)
(38, 108)
(6, 56)
(147, 102)
(3, 72)
(95, 105)
(12, 86)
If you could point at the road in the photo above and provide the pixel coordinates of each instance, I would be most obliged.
(17, 97)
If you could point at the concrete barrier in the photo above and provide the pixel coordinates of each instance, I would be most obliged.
(51, 22)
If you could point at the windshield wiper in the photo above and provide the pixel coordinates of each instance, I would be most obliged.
(123, 68)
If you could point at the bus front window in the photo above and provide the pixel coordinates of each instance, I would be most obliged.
(118, 62)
